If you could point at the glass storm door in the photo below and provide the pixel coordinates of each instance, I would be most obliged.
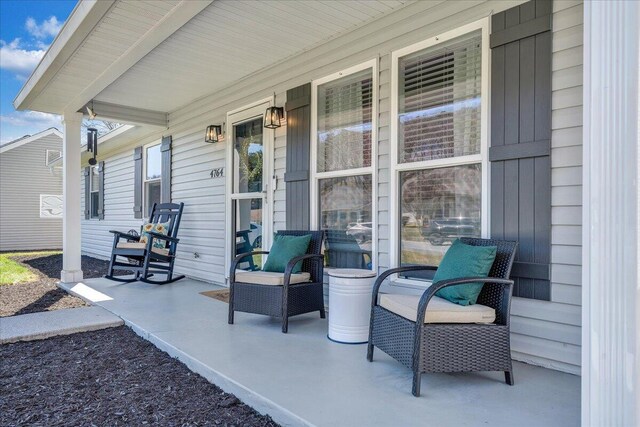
(250, 216)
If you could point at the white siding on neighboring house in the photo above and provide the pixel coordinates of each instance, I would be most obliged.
(24, 176)
(546, 333)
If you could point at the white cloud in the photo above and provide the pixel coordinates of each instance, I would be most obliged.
(13, 57)
(47, 28)
(32, 119)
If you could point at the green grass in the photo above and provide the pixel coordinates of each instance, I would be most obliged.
(12, 272)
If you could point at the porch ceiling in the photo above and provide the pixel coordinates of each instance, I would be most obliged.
(162, 55)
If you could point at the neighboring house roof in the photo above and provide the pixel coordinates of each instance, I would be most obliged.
(29, 138)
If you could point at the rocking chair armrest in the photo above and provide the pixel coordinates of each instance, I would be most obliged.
(293, 261)
(120, 235)
(381, 278)
(238, 259)
(430, 292)
(162, 237)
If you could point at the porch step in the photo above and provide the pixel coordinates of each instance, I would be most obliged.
(36, 326)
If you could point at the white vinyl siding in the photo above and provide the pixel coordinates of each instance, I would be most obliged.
(23, 178)
(547, 333)
(118, 206)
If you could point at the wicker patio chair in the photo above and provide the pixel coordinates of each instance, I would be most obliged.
(450, 347)
(144, 259)
(280, 300)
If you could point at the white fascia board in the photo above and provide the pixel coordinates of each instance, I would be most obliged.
(84, 17)
(11, 145)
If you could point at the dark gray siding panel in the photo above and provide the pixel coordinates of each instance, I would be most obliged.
(101, 190)
(87, 192)
(137, 183)
(520, 141)
(298, 108)
(165, 148)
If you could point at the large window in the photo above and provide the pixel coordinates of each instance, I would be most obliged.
(152, 177)
(344, 139)
(94, 192)
(440, 172)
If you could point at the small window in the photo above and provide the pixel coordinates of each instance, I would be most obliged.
(152, 177)
(94, 191)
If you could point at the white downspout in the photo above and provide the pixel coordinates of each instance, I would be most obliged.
(71, 176)
(611, 170)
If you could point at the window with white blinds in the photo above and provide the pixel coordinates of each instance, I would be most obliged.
(439, 92)
(344, 129)
(440, 174)
(344, 122)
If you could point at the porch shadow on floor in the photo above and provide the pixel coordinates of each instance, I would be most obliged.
(302, 378)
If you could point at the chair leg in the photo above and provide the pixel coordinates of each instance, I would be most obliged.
(231, 304)
(416, 383)
(508, 377)
(322, 313)
(285, 324)
(370, 351)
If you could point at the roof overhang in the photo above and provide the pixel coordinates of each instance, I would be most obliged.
(137, 62)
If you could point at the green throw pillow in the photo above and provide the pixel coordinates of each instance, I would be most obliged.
(464, 261)
(283, 250)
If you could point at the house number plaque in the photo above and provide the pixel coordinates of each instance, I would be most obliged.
(217, 173)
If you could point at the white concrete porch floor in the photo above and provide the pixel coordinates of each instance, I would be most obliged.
(302, 378)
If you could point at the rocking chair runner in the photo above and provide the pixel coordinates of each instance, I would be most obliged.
(145, 259)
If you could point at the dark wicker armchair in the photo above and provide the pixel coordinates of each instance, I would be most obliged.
(286, 299)
(450, 347)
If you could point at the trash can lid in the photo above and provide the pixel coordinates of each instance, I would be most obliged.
(351, 273)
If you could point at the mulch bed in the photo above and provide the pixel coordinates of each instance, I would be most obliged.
(42, 294)
(109, 378)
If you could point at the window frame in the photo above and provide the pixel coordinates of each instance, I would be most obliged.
(372, 170)
(145, 206)
(397, 167)
(93, 170)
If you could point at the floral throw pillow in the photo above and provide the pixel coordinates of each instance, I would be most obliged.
(160, 228)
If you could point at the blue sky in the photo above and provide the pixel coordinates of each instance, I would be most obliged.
(27, 28)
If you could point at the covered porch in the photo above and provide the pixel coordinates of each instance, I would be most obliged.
(303, 378)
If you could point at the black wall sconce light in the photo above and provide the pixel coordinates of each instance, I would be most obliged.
(92, 144)
(273, 116)
(213, 134)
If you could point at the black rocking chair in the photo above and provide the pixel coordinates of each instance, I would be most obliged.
(144, 259)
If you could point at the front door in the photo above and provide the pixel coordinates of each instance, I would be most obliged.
(250, 197)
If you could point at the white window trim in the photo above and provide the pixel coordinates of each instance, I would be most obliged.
(250, 110)
(397, 167)
(316, 176)
(92, 190)
(145, 213)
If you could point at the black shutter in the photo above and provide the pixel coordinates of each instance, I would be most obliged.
(521, 141)
(298, 108)
(137, 183)
(101, 190)
(165, 148)
(87, 192)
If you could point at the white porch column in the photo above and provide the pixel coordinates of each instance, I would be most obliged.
(71, 266)
(611, 170)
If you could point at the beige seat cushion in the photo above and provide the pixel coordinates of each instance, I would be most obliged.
(269, 278)
(136, 245)
(439, 309)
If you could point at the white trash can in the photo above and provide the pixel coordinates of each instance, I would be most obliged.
(350, 304)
